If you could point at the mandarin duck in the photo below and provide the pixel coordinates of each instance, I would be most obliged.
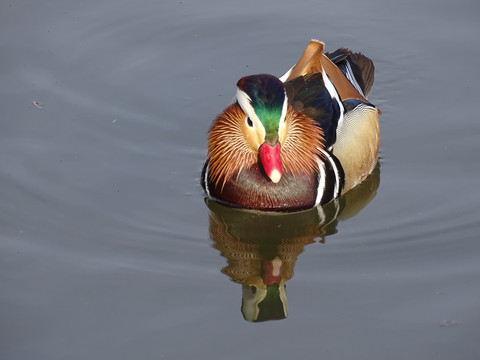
(298, 141)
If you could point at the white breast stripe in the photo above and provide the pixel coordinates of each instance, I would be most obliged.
(205, 181)
(322, 178)
(337, 189)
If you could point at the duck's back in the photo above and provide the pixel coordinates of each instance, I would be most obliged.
(357, 136)
(350, 125)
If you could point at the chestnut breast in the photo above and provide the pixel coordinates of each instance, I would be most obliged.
(252, 189)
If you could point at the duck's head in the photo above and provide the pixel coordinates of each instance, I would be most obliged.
(264, 102)
(260, 126)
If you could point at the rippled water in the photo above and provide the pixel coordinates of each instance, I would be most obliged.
(108, 249)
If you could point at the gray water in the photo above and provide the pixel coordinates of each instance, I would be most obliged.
(107, 247)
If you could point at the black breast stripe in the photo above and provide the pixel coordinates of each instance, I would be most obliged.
(334, 182)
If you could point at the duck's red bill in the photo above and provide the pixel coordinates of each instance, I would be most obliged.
(271, 161)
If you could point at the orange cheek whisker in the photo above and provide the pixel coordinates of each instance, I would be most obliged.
(300, 149)
(228, 151)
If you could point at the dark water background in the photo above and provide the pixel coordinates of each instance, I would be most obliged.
(107, 248)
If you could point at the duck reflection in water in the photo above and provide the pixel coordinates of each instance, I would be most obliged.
(261, 248)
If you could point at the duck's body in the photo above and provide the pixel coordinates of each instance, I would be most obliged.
(296, 142)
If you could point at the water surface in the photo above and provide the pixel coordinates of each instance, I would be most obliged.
(107, 247)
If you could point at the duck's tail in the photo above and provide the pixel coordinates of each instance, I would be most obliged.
(358, 68)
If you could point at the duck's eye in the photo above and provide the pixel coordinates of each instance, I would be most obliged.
(249, 122)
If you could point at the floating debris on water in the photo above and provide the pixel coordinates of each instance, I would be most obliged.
(448, 323)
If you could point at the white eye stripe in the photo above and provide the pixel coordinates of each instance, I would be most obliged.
(282, 121)
(245, 103)
(284, 109)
